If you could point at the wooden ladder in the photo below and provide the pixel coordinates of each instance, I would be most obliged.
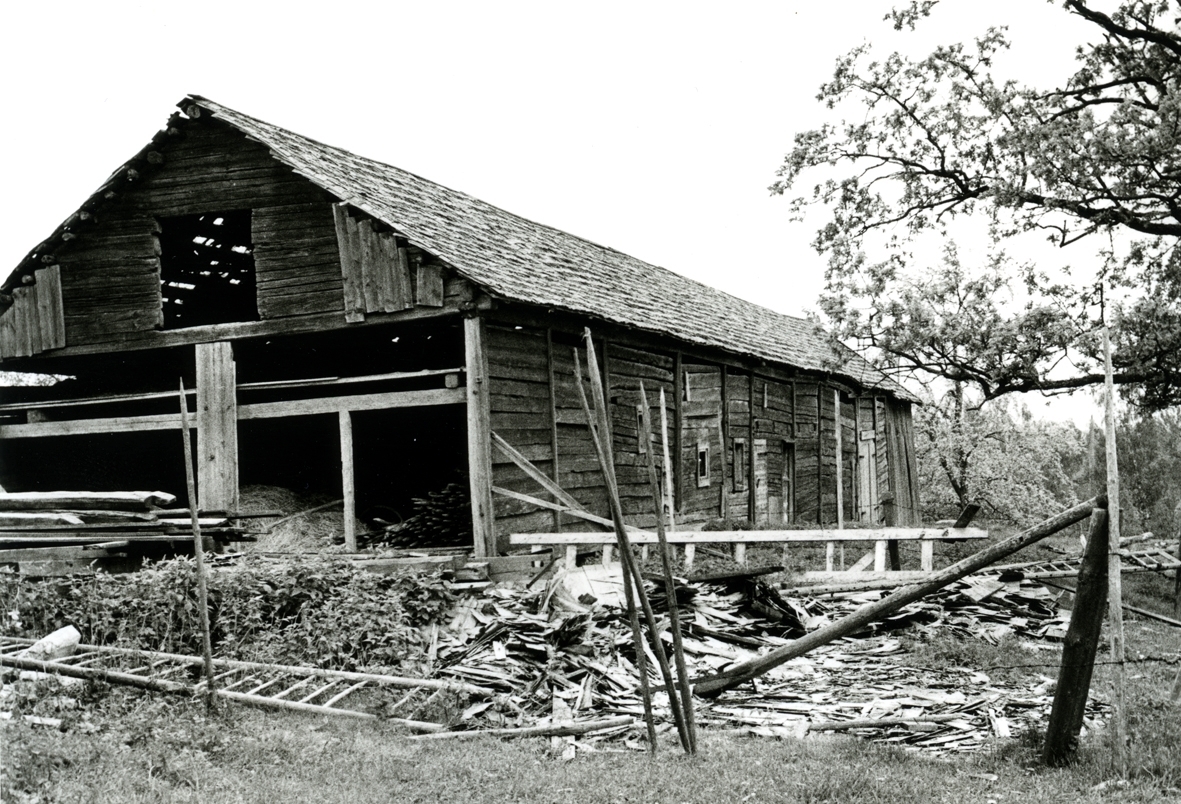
(331, 692)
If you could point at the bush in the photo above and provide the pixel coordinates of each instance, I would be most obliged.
(313, 610)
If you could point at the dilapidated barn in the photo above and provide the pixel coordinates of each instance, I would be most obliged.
(344, 325)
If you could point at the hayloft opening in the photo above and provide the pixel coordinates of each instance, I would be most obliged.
(207, 269)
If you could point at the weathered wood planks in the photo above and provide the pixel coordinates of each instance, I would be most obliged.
(375, 270)
(217, 427)
(34, 322)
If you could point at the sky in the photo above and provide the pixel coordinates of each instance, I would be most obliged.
(651, 127)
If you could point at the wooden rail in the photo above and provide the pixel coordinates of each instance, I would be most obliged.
(926, 536)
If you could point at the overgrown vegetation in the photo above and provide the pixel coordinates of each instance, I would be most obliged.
(313, 610)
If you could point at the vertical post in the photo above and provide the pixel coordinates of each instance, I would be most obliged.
(479, 437)
(836, 415)
(669, 502)
(819, 455)
(723, 435)
(1078, 651)
(752, 505)
(198, 548)
(553, 417)
(347, 481)
(679, 423)
(1114, 589)
(217, 428)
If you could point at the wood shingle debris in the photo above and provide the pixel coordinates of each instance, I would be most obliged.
(540, 645)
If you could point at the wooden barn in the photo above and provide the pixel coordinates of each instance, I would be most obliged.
(346, 326)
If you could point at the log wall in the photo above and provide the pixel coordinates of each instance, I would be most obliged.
(783, 423)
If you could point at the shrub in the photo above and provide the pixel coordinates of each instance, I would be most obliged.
(308, 610)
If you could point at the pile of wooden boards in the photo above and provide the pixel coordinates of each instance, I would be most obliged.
(544, 647)
(60, 532)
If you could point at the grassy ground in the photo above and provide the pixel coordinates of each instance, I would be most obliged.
(123, 746)
(149, 750)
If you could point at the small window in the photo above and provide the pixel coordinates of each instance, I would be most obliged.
(740, 464)
(207, 269)
(641, 433)
(702, 464)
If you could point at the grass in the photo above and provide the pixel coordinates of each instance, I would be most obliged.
(155, 750)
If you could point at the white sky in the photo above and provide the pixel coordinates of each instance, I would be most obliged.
(651, 127)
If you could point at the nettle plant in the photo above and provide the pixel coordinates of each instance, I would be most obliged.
(310, 610)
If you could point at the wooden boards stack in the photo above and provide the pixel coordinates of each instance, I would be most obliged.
(60, 532)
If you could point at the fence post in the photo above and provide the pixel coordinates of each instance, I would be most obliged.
(1078, 652)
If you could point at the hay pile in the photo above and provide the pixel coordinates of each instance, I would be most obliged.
(320, 531)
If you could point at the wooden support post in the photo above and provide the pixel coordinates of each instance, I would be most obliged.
(217, 427)
(836, 414)
(752, 451)
(347, 481)
(927, 559)
(879, 556)
(1115, 612)
(679, 424)
(669, 503)
(742, 672)
(723, 501)
(553, 418)
(1078, 652)
(198, 549)
(479, 438)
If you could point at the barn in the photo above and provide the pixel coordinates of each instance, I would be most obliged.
(343, 325)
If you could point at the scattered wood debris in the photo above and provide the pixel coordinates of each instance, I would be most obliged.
(540, 645)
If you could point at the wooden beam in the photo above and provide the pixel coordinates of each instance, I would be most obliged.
(217, 427)
(347, 481)
(479, 437)
(271, 385)
(336, 404)
(763, 536)
(258, 410)
(291, 325)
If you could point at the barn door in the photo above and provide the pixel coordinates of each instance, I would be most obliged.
(869, 510)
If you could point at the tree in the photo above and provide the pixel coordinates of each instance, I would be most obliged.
(997, 455)
(931, 141)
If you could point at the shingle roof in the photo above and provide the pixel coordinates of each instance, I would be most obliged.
(520, 260)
